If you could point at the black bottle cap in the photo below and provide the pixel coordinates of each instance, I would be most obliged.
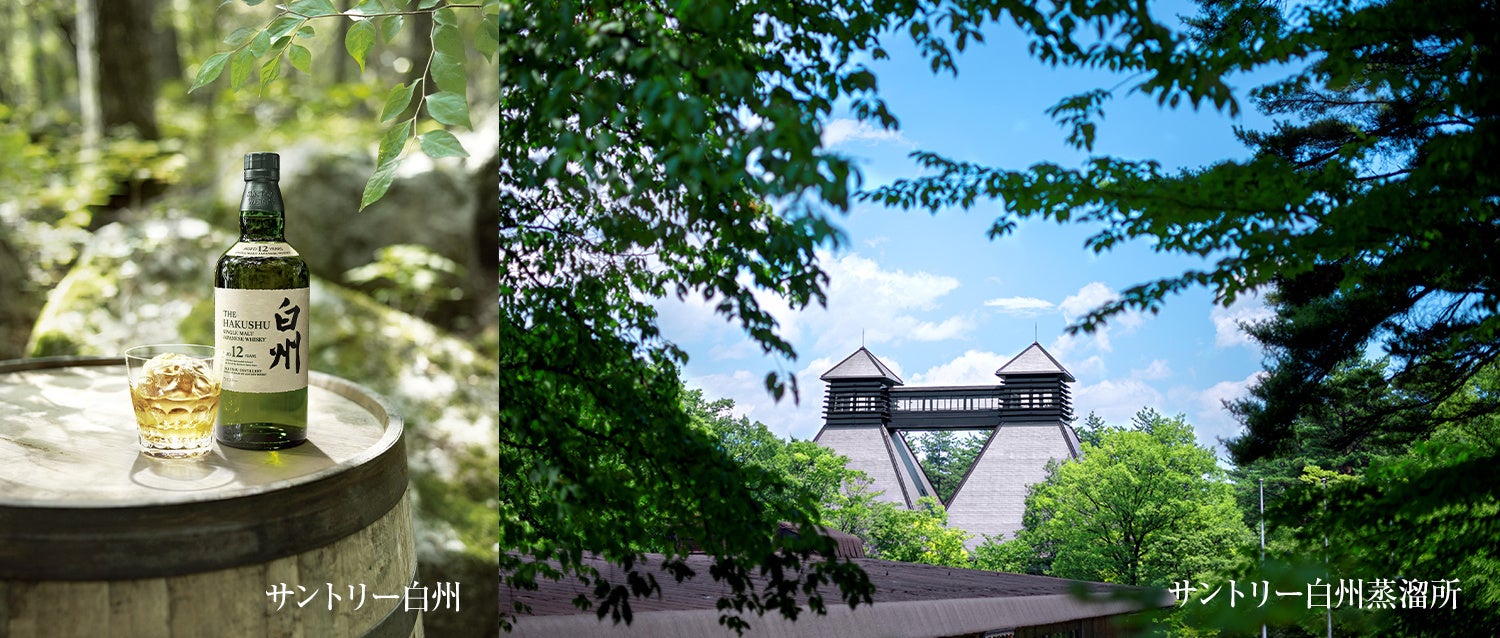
(262, 166)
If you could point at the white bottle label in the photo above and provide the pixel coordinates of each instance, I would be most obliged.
(261, 338)
(261, 249)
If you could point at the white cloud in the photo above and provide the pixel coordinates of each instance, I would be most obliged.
(1075, 306)
(973, 367)
(786, 418)
(887, 306)
(1157, 369)
(1093, 295)
(845, 130)
(860, 275)
(1091, 368)
(1087, 298)
(1069, 346)
(748, 391)
(884, 305)
(950, 328)
(742, 349)
(1248, 309)
(1212, 420)
(1021, 306)
(1116, 401)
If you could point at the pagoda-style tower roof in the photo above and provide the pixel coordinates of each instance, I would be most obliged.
(1034, 360)
(861, 365)
(866, 418)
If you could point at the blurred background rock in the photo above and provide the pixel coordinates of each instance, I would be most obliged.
(119, 190)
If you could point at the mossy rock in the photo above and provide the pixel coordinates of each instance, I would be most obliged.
(151, 282)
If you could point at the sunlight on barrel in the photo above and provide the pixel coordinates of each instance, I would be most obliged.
(97, 539)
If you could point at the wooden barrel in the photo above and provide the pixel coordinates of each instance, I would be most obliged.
(97, 539)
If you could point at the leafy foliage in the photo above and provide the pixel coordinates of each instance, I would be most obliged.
(946, 458)
(1408, 494)
(260, 51)
(650, 150)
(1144, 506)
(841, 496)
(807, 469)
(675, 150)
(1385, 112)
(919, 535)
(1369, 214)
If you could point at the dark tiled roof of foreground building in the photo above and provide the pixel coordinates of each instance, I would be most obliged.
(911, 601)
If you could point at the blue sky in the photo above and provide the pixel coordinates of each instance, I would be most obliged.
(941, 303)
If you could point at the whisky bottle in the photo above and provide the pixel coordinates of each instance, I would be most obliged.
(261, 306)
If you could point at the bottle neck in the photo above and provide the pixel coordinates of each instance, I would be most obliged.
(261, 212)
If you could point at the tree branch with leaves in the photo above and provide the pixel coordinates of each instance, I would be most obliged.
(259, 51)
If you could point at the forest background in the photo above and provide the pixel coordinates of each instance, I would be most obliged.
(661, 150)
(1380, 397)
(119, 188)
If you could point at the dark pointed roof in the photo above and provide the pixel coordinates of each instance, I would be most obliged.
(1034, 360)
(861, 365)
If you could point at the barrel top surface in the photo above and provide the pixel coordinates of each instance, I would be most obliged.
(68, 438)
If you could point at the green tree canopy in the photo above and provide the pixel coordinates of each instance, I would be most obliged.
(1144, 506)
(840, 495)
(946, 458)
(1374, 193)
(809, 470)
(651, 150)
(423, 109)
(1362, 490)
(919, 535)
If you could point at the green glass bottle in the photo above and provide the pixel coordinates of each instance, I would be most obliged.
(261, 306)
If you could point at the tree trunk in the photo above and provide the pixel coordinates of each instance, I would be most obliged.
(7, 35)
(117, 67)
(87, 38)
(341, 58)
(421, 50)
(49, 74)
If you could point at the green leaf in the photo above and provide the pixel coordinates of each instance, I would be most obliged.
(394, 142)
(428, 4)
(448, 72)
(239, 36)
(447, 39)
(240, 67)
(210, 70)
(251, 3)
(313, 8)
(488, 46)
(260, 44)
(269, 72)
(445, 16)
(390, 27)
(397, 100)
(359, 39)
(301, 58)
(379, 183)
(449, 108)
(440, 143)
(492, 7)
(283, 25)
